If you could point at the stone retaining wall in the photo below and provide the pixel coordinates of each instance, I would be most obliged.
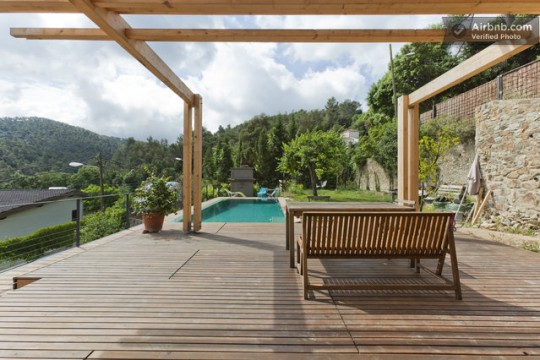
(455, 166)
(508, 143)
(373, 177)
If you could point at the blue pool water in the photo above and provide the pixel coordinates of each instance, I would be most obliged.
(244, 210)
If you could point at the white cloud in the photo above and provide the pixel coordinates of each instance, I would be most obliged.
(97, 85)
(36, 99)
(246, 80)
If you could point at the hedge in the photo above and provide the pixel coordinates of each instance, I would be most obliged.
(33, 246)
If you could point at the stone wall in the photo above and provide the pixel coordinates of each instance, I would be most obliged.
(373, 177)
(508, 143)
(454, 169)
(455, 166)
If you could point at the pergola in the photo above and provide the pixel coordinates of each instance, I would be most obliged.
(107, 15)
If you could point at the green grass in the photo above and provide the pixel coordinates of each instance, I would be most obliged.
(532, 246)
(343, 195)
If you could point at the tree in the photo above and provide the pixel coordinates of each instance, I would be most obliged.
(93, 203)
(378, 140)
(414, 66)
(263, 163)
(348, 110)
(209, 166)
(270, 150)
(316, 152)
(331, 114)
(292, 129)
(84, 177)
(222, 158)
(432, 150)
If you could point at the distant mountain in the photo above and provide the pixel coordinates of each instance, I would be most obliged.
(32, 145)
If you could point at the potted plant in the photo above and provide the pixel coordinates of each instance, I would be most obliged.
(154, 199)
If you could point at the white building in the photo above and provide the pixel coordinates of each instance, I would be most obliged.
(22, 212)
(351, 136)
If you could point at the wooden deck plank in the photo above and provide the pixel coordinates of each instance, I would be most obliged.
(40, 354)
(179, 346)
(169, 355)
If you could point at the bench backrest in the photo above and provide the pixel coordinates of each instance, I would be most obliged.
(451, 190)
(376, 234)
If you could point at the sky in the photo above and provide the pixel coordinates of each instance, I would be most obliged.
(98, 86)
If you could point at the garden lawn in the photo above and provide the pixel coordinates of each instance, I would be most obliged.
(343, 195)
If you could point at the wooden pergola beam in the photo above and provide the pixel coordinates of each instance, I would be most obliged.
(284, 7)
(37, 6)
(474, 65)
(59, 34)
(115, 26)
(240, 35)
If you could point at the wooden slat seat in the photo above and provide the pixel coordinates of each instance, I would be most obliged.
(383, 235)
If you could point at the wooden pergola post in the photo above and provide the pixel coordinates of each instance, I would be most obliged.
(186, 168)
(413, 158)
(192, 165)
(408, 156)
(197, 164)
(403, 147)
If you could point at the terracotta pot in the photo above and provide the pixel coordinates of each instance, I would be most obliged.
(153, 222)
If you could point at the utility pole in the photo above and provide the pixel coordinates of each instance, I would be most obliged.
(394, 100)
(99, 159)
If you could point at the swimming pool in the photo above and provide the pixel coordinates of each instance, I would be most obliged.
(244, 210)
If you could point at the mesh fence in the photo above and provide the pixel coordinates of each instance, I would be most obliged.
(521, 83)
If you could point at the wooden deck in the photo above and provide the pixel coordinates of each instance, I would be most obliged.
(229, 293)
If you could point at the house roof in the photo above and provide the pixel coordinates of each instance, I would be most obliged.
(12, 201)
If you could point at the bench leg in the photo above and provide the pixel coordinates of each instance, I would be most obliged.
(455, 269)
(299, 256)
(415, 263)
(440, 266)
(305, 276)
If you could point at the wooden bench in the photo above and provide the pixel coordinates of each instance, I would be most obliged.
(379, 235)
(451, 191)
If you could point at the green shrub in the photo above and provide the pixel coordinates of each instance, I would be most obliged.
(101, 224)
(349, 185)
(295, 188)
(33, 246)
(155, 196)
(93, 203)
(533, 246)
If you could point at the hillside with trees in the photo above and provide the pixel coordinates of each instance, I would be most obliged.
(33, 145)
(35, 153)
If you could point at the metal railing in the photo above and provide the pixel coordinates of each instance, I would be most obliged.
(31, 244)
